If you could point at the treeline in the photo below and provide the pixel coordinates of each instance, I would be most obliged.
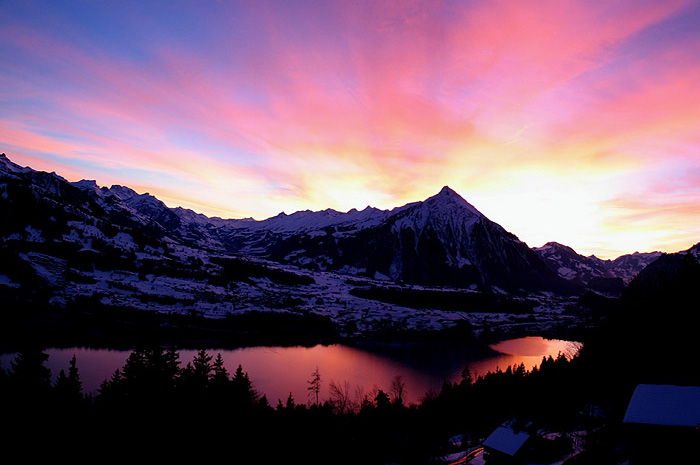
(445, 299)
(158, 404)
(87, 321)
(240, 269)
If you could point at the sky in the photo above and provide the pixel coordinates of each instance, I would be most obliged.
(568, 121)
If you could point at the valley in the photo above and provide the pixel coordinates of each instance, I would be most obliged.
(432, 267)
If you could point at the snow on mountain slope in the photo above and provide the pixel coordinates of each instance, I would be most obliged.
(446, 209)
(630, 265)
(592, 271)
(695, 251)
(8, 167)
(570, 265)
(308, 220)
(118, 247)
(442, 240)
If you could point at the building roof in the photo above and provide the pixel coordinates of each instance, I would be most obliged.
(505, 440)
(668, 405)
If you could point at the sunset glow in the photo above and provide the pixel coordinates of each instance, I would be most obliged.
(568, 121)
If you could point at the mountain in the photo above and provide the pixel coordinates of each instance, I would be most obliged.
(570, 265)
(609, 276)
(441, 241)
(628, 266)
(657, 322)
(76, 257)
(669, 275)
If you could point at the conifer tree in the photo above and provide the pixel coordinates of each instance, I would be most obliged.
(290, 402)
(315, 385)
(218, 369)
(382, 400)
(69, 388)
(171, 361)
(467, 378)
(112, 390)
(220, 381)
(263, 403)
(243, 390)
(201, 370)
(29, 376)
(150, 374)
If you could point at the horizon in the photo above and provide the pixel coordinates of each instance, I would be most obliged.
(569, 122)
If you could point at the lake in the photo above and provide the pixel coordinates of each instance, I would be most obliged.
(279, 371)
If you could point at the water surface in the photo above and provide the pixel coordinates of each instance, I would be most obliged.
(279, 371)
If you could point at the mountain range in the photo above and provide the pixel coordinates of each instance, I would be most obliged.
(443, 240)
(425, 265)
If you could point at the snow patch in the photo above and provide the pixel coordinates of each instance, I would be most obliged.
(566, 272)
(33, 235)
(6, 281)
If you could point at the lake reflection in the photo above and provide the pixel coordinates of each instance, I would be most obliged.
(277, 371)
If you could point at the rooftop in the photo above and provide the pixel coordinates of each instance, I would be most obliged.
(505, 440)
(666, 405)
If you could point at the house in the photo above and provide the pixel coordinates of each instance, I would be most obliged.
(662, 424)
(504, 445)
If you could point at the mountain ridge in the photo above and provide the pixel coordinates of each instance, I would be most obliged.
(441, 240)
(591, 271)
(77, 248)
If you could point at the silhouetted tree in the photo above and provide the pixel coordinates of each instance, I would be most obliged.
(218, 368)
(69, 388)
(29, 377)
(340, 397)
(113, 394)
(220, 380)
(315, 385)
(467, 378)
(150, 375)
(290, 404)
(382, 400)
(263, 403)
(171, 364)
(202, 366)
(398, 387)
(242, 389)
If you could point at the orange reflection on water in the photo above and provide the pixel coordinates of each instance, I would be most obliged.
(277, 371)
(526, 350)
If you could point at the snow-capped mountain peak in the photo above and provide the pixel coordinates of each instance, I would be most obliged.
(124, 193)
(89, 185)
(445, 212)
(7, 166)
(447, 201)
(449, 198)
(554, 247)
